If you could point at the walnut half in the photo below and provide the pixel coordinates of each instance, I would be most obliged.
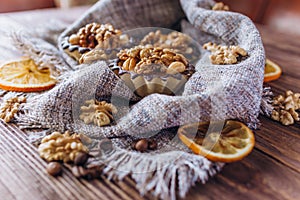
(99, 113)
(224, 55)
(94, 35)
(149, 59)
(286, 107)
(177, 41)
(220, 6)
(61, 147)
(10, 107)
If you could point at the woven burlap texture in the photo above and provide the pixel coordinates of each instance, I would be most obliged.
(212, 93)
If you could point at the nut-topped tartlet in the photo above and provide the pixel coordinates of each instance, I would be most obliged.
(147, 70)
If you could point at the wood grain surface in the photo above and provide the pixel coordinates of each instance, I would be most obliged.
(271, 171)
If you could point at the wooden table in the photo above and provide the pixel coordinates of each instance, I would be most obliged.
(271, 171)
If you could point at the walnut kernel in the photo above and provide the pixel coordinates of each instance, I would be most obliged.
(285, 108)
(90, 56)
(10, 107)
(220, 6)
(99, 113)
(174, 40)
(149, 59)
(61, 147)
(94, 35)
(176, 67)
(223, 55)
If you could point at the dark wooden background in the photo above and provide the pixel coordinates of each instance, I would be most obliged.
(279, 14)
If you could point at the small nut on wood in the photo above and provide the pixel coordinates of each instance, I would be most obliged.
(81, 158)
(54, 169)
(176, 67)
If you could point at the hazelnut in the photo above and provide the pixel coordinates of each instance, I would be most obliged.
(54, 168)
(81, 158)
(141, 145)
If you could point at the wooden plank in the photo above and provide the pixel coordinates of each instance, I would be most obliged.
(5, 192)
(282, 144)
(256, 177)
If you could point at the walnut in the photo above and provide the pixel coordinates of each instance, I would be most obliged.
(275, 115)
(278, 100)
(144, 68)
(87, 35)
(294, 114)
(99, 113)
(285, 108)
(61, 147)
(74, 39)
(106, 31)
(220, 6)
(211, 46)
(129, 64)
(174, 40)
(100, 54)
(10, 107)
(95, 54)
(286, 118)
(176, 67)
(94, 35)
(149, 59)
(223, 55)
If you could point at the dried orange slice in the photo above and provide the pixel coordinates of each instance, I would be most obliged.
(25, 76)
(272, 71)
(234, 142)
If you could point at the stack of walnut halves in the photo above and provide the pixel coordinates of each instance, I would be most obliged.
(286, 107)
